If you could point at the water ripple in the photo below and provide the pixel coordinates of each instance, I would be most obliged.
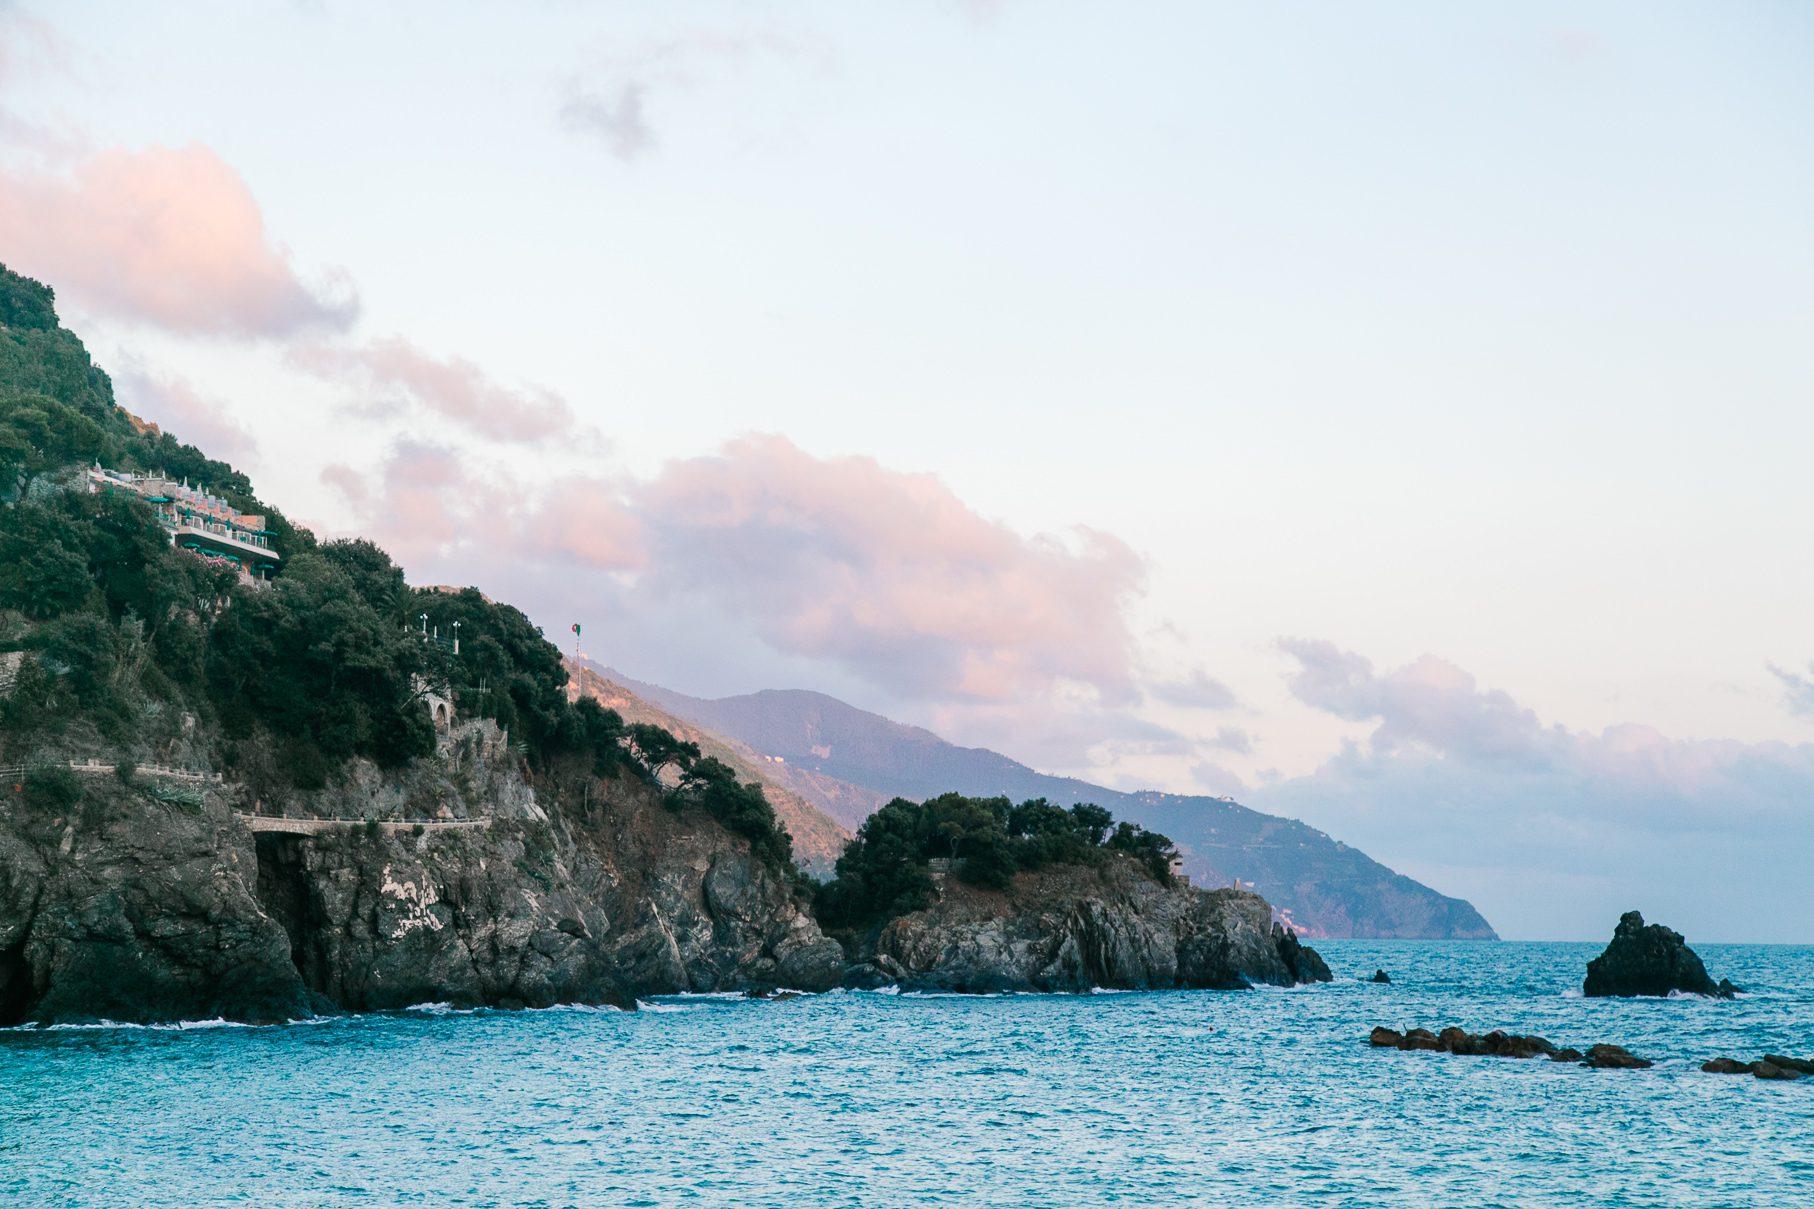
(865, 1099)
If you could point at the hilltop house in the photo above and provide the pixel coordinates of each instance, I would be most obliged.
(197, 521)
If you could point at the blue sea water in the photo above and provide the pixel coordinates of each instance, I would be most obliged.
(1270, 1097)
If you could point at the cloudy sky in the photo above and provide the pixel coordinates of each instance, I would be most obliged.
(1394, 415)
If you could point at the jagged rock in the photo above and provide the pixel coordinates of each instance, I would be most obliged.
(1726, 1066)
(1380, 976)
(1614, 1057)
(1070, 928)
(1305, 964)
(135, 910)
(1649, 959)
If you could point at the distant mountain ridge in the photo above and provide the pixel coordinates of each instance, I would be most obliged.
(843, 758)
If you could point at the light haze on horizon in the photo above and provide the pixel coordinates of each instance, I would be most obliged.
(1465, 350)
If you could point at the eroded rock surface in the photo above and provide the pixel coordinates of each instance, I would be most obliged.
(129, 909)
(1070, 928)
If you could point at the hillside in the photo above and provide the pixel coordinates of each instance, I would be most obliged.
(254, 775)
(1321, 884)
(818, 839)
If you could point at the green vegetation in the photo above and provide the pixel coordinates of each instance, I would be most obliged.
(883, 872)
(128, 636)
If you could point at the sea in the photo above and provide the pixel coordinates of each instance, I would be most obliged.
(874, 1099)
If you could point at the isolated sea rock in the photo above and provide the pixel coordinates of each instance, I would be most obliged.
(1649, 959)
(1381, 976)
(1614, 1057)
(1072, 928)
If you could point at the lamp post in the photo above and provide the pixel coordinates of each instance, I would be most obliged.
(456, 633)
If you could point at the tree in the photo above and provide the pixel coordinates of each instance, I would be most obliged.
(741, 807)
(657, 750)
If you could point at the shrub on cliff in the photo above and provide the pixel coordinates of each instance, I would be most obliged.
(741, 807)
(883, 872)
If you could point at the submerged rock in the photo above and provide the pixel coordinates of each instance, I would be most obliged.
(1770, 1066)
(1649, 959)
(1614, 1057)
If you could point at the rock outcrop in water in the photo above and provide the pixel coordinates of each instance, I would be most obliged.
(1497, 1044)
(1649, 959)
(1770, 1066)
(1072, 928)
(126, 908)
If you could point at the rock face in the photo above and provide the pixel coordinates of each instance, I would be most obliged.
(130, 909)
(1068, 928)
(1649, 959)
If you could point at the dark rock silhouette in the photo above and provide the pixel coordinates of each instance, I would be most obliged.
(1614, 1057)
(1381, 976)
(1770, 1066)
(1649, 959)
(1499, 1044)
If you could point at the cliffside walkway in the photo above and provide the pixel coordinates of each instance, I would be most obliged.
(288, 826)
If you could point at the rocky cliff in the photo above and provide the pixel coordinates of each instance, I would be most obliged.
(117, 905)
(1072, 928)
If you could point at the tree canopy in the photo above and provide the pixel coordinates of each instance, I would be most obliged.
(883, 872)
(328, 662)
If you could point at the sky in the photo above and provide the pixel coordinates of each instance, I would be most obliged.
(1393, 415)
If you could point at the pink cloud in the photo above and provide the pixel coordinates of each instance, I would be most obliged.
(400, 375)
(890, 574)
(437, 513)
(886, 575)
(167, 236)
